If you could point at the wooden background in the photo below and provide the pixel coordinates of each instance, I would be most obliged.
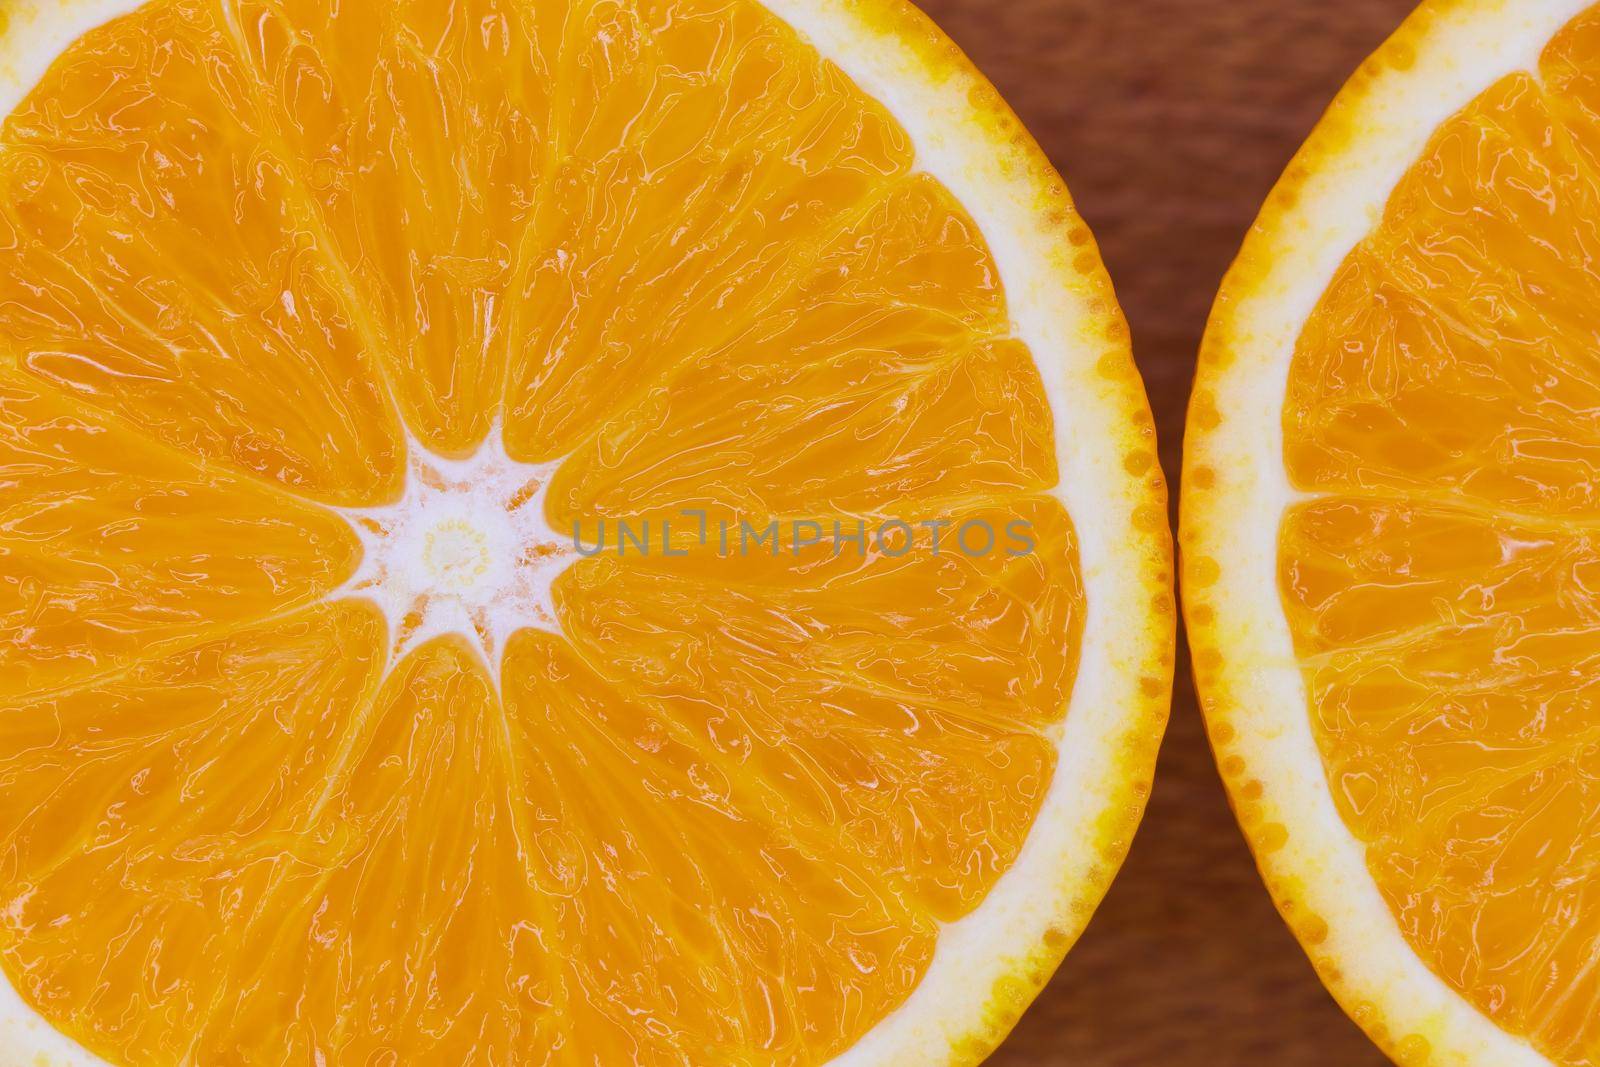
(1171, 119)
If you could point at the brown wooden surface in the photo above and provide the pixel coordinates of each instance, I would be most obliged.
(1171, 119)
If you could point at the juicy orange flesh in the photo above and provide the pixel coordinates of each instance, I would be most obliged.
(249, 256)
(1443, 585)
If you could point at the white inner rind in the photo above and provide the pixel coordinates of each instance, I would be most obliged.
(1469, 45)
(1060, 314)
(466, 550)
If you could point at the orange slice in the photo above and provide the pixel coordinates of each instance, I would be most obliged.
(552, 533)
(1389, 533)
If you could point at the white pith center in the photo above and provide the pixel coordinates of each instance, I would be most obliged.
(466, 550)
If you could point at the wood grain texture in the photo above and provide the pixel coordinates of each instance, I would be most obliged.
(1171, 120)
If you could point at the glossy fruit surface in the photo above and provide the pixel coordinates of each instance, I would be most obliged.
(1397, 658)
(431, 626)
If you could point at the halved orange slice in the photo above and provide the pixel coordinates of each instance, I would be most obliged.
(551, 532)
(1389, 528)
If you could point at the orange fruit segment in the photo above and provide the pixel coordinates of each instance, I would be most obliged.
(343, 348)
(1422, 582)
(154, 259)
(116, 546)
(1465, 604)
(934, 715)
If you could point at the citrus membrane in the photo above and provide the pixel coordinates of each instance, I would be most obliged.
(335, 339)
